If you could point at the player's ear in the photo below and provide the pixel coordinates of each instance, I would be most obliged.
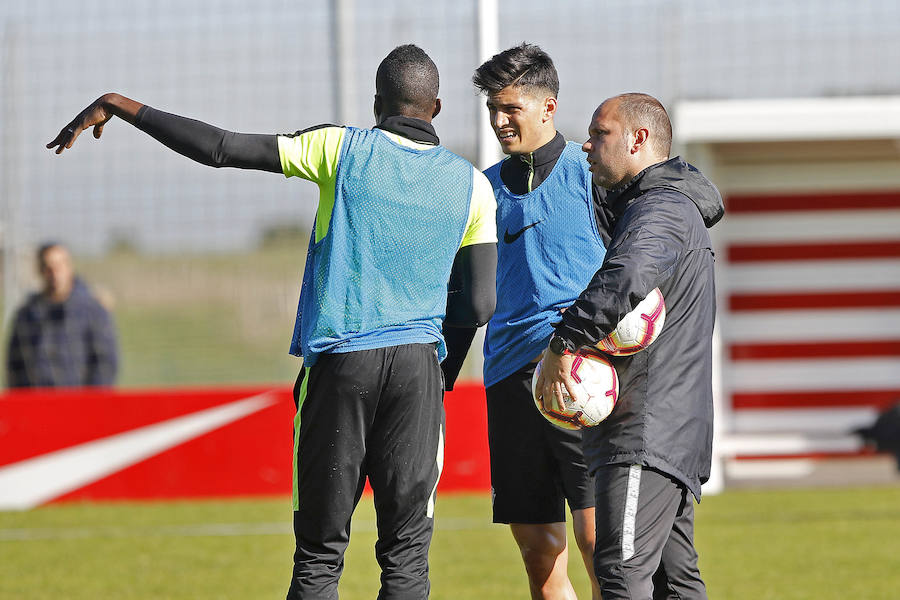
(641, 137)
(437, 108)
(377, 108)
(549, 108)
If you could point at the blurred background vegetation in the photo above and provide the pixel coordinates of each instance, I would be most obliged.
(198, 318)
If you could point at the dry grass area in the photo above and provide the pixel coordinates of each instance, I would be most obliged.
(205, 319)
(202, 319)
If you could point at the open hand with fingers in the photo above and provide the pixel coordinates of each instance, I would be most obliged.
(95, 115)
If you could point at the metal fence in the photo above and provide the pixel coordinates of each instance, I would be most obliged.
(174, 242)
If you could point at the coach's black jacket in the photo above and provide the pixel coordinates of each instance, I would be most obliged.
(663, 417)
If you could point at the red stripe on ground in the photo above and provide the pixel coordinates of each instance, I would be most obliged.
(815, 300)
(811, 202)
(879, 399)
(822, 349)
(742, 253)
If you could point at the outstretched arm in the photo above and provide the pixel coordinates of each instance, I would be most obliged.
(197, 140)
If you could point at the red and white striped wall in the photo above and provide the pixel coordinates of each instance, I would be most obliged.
(810, 324)
(808, 273)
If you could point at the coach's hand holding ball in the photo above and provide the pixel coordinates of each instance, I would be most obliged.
(554, 377)
(575, 388)
(592, 379)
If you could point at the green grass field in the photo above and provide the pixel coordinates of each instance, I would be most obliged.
(760, 545)
(221, 319)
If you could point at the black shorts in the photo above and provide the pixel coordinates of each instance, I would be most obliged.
(535, 466)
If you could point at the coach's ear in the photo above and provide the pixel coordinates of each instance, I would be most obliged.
(437, 107)
(640, 140)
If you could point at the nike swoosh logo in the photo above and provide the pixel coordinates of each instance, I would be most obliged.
(33, 481)
(509, 239)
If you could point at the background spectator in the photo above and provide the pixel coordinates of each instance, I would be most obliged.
(61, 336)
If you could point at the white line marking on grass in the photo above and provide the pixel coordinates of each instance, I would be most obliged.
(211, 529)
(26, 534)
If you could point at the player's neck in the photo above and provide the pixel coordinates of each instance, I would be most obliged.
(545, 138)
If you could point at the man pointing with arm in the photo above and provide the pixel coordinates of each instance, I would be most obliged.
(397, 213)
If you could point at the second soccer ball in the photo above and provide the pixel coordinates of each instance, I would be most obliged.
(638, 329)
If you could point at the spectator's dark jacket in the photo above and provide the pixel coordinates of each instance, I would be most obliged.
(72, 343)
(663, 418)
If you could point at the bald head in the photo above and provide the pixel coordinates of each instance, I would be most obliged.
(642, 111)
(627, 134)
(407, 84)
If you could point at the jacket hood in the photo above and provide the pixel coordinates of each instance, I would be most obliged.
(674, 174)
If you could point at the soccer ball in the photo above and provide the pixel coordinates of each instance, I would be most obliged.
(637, 329)
(599, 391)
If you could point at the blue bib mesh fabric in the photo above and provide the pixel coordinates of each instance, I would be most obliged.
(548, 250)
(379, 276)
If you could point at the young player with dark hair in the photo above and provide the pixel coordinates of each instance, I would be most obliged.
(551, 225)
(650, 456)
(397, 214)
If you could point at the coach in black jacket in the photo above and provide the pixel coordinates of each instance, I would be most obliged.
(655, 448)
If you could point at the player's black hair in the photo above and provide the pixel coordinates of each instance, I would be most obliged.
(407, 81)
(525, 65)
(642, 110)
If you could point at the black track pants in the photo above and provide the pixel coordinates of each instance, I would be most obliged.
(645, 536)
(377, 414)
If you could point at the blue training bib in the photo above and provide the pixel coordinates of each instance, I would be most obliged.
(379, 276)
(548, 250)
